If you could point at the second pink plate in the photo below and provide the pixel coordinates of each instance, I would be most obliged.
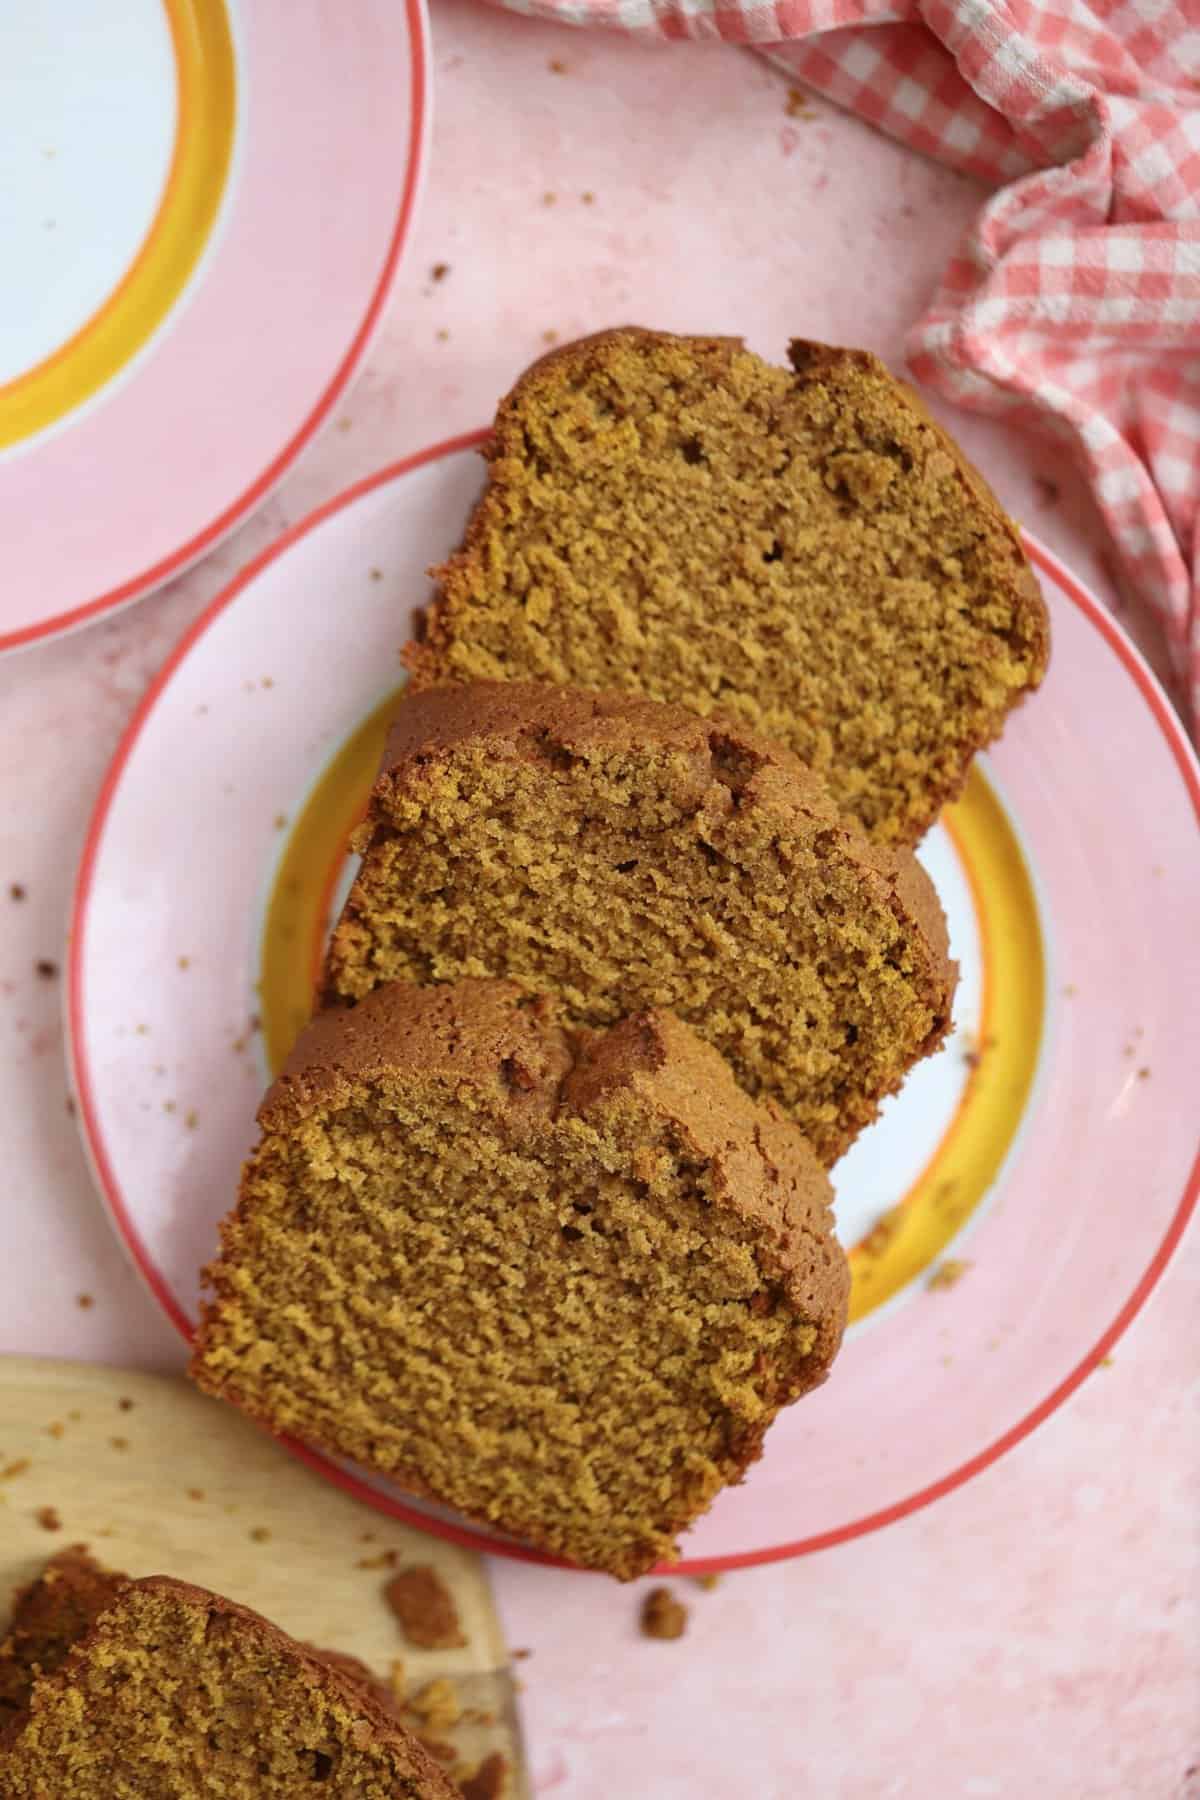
(1007, 1217)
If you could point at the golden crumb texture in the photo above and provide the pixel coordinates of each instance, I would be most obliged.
(627, 855)
(562, 1281)
(802, 549)
(170, 1691)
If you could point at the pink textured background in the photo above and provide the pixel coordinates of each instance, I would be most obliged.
(1035, 1633)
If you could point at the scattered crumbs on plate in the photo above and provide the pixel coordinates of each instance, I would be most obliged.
(588, 198)
(487, 1782)
(84, 1302)
(70, 1106)
(160, 1068)
(549, 199)
(12, 1469)
(439, 271)
(75, 1415)
(557, 66)
(56, 1429)
(260, 1535)
(549, 337)
(345, 423)
(195, 1493)
(662, 1615)
(442, 335)
(366, 1537)
(268, 681)
(47, 970)
(707, 1582)
(376, 574)
(48, 1518)
(1047, 491)
(1143, 1074)
(1070, 991)
(438, 1704)
(142, 1030)
(191, 1119)
(948, 1272)
(168, 1106)
(425, 1608)
(125, 1403)
(946, 1359)
(522, 1655)
(201, 709)
(280, 821)
(1156, 869)
(17, 891)
(183, 962)
(384, 1559)
(1106, 1362)
(119, 1443)
(796, 106)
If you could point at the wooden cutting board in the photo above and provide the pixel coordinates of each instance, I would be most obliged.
(159, 1480)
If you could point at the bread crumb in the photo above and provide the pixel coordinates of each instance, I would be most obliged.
(425, 1608)
(259, 1535)
(549, 337)
(376, 574)
(881, 1233)
(796, 105)
(437, 1704)
(439, 271)
(663, 1616)
(521, 1655)
(1047, 492)
(195, 1493)
(191, 1119)
(1106, 1362)
(386, 1559)
(708, 1582)
(48, 1518)
(70, 1105)
(56, 1429)
(437, 1747)
(549, 199)
(75, 1415)
(184, 962)
(46, 969)
(344, 424)
(125, 1403)
(489, 1781)
(948, 1273)
(557, 66)
(1143, 1074)
(443, 336)
(16, 892)
(119, 1443)
(84, 1301)
(14, 1468)
(588, 198)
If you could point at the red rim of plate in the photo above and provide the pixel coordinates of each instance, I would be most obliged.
(463, 1535)
(205, 540)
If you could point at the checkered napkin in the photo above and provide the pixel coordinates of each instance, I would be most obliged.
(1074, 302)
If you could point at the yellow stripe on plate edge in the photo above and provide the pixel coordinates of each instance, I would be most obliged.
(158, 274)
(915, 1233)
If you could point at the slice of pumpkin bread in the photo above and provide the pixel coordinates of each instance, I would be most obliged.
(561, 1283)
(155, 1687)
(623, 854)
(803, 549)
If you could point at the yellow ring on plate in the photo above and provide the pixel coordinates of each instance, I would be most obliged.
(205, 113)
(915, 1232)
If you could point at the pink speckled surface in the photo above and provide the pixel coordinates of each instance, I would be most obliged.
(1036, 1632)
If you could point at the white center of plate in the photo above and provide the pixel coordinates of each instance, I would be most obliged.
(87, 131)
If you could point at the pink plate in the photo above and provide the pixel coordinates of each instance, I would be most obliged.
(1014, 1207)
(211, 199)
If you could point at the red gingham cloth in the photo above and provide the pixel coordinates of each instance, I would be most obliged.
(1074, 302)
